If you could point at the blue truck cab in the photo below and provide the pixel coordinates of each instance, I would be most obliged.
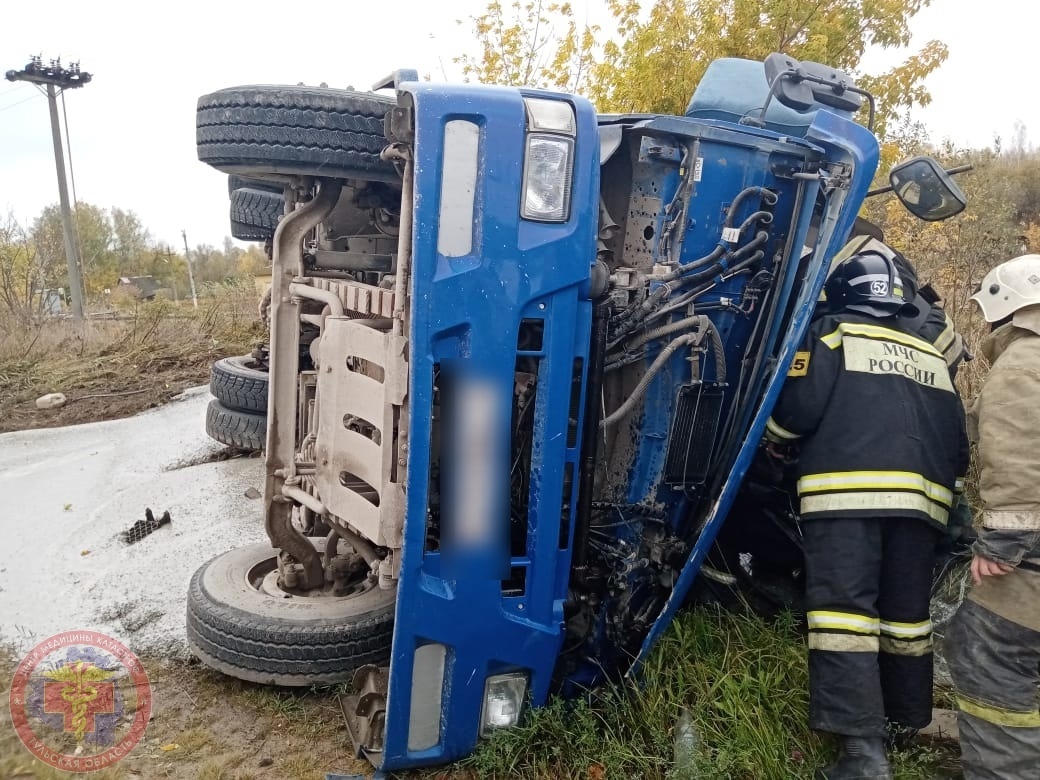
(522, 357)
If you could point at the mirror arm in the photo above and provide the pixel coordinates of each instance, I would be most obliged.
(798, 75)
(950, 171)
(761, 121)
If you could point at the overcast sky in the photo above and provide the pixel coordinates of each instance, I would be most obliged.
(133, 128)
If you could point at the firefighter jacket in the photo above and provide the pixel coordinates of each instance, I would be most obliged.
(1005, 421)
(880, 426)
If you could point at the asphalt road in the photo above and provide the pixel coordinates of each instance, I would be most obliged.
(65, 495)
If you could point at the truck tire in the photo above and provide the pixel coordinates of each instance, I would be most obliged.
(239, 385)
(235, 428)
(260, 130)
(239, 629)
(255, 214)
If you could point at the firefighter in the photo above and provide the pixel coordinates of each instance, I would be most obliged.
(925, 317)
(882, 448)
(993, 643)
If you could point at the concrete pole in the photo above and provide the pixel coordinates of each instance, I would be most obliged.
(71, 245)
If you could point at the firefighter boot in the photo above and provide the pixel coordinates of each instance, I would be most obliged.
(861, 758)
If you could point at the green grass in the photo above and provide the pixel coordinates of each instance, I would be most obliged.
(742, 679)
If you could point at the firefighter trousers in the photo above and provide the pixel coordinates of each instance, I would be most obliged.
(993, 649)
(868, 586)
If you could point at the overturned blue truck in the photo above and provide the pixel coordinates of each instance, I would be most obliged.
(521, 359)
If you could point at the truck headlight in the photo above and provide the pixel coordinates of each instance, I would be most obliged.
(547, 178)
(503, 701)
(548, 160)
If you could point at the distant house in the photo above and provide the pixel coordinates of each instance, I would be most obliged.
(144, 288)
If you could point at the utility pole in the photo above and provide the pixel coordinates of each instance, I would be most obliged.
(56, 78)
(191, 276)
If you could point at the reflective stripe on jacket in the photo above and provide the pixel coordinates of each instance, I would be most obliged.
(881, 425)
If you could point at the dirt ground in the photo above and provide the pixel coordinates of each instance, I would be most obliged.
(120, 365)
(262, 733)
(106, 395)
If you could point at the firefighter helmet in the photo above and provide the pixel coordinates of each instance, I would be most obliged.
(1010, 286)
(867, 282)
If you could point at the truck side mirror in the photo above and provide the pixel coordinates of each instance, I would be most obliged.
(926, 189)
(803, 84)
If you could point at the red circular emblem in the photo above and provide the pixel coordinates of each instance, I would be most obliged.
(80, 701)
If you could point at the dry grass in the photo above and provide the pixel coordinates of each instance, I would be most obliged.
(110, 368)
(209, 727)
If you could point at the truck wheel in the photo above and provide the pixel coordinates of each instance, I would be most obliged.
(238, 384)
(311, 131)
(240, 623)
(255, 214)
(235, 428)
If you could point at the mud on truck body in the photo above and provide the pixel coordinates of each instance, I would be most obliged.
(543, 348)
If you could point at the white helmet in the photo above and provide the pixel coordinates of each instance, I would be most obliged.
(1010, 286)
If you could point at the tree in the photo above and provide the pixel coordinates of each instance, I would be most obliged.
(23, 273)
(96, 239)
(658, 54)
(215, 266)
(253, 262)
(131, 242)
(534, 44)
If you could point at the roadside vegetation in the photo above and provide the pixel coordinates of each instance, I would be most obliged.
(141, 357)
(742, 682)
(138, 347)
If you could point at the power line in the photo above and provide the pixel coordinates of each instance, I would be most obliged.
(19, 102)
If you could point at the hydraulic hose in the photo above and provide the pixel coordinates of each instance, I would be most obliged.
(704, 326)
(767, 195)
(744, 264)
(759, 240)
(710, 262)
(717, 269)
(714, 256)
(717, 350)
(706, 266)
(683, 300)
(663, 330)
(765, 217)
(640, 389)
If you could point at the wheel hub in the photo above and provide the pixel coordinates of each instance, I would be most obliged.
(264, 578)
